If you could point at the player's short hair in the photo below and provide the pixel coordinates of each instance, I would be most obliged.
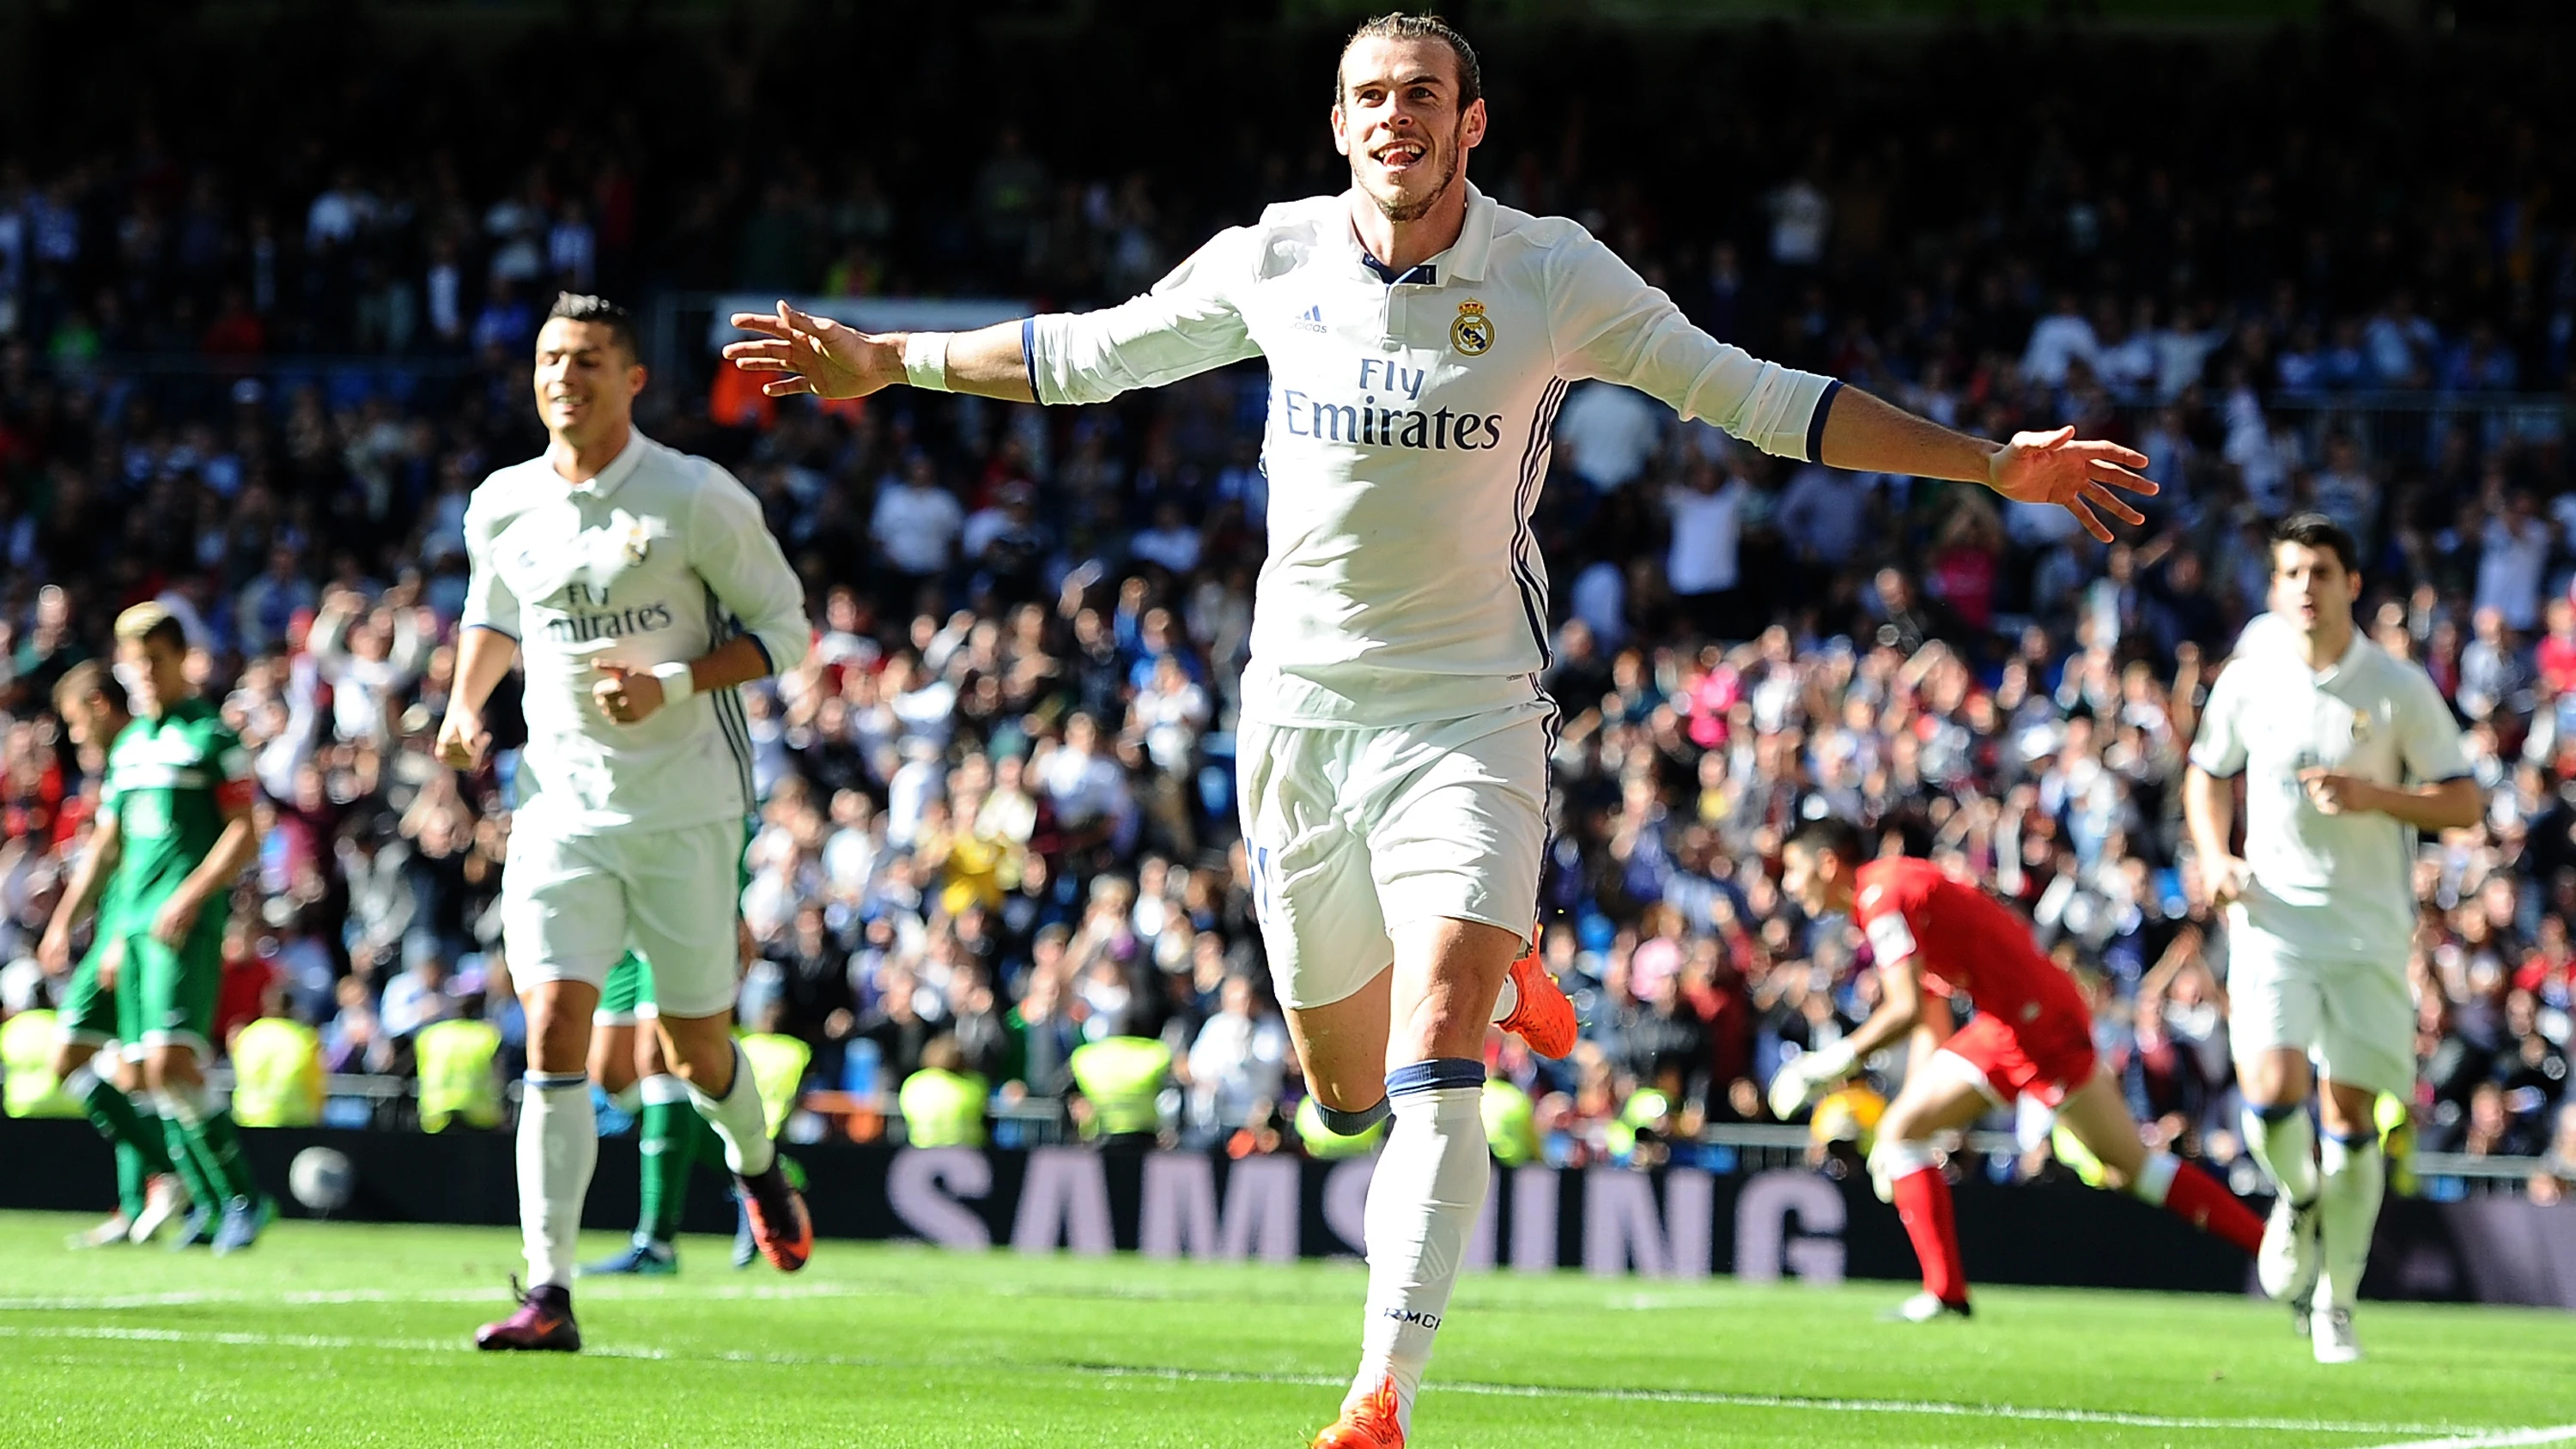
(1832, 836)
(1399, 26)
(150, 624)
(599, 311)
(2315, 530)
(84, 681)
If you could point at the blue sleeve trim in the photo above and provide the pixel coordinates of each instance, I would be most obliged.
(1029, 355)
(496, 629)
(768, 663)
(1816, 420)
(2447, 779)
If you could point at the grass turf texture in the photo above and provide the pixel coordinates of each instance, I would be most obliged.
(344, 1335)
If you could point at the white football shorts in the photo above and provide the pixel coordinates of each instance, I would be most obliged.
(2355, 1019)
(572, 903)
(1356, 830)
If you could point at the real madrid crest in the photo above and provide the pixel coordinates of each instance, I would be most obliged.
(1473, 333)
(637, 541)
(2360, 725)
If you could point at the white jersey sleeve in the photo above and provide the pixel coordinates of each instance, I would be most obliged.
(1610, 325)
(2428, 738)
(731, 547)
(489, 604)
(2218, 748)
(1189, 323)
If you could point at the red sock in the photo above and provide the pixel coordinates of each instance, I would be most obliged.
(2204, 1202)
(1923, 1201)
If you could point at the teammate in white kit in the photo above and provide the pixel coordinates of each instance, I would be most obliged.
(2346, 751)
(640, 588)
(1393, 749)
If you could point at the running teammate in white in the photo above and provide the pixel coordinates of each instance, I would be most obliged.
(1394, 738)
(2346, 751)
(640, 588)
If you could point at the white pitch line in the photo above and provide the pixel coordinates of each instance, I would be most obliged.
(2561, 1434)
(1903, 1407)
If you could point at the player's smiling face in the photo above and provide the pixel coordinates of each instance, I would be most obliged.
(1400, 123)
(586, 383)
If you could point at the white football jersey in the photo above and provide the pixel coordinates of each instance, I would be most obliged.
(661, 558)
(2329, 887)
(1409, 433)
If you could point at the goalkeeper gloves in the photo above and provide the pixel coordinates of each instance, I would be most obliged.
(1806, 1078)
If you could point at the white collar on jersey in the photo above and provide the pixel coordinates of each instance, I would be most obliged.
(1464, 261)
(619, 469)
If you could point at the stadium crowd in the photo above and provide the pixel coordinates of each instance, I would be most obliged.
(998, 800)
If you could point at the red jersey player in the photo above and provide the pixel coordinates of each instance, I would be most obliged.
(2031, 1036)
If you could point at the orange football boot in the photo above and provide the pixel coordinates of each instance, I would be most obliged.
(1375, 1423)
(1542, 1017)
(780, 1226)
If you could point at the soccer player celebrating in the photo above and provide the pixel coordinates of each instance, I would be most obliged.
(174, 832)
(2346, 751)
(148, 1191)
(641, 589)
(2032, 1035)
(1394, 740)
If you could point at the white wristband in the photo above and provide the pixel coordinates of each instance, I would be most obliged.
(679, 681)
(925, 360)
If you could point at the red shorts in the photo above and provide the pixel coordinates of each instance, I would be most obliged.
(2044, 1059)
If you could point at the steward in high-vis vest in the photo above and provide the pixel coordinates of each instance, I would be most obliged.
(27, 1043)
(778, 1069)
(277, 1074)
(1325, 1144)
(1511, 1123)
(456, 1079)
(1122, 1078)
(942, 1103)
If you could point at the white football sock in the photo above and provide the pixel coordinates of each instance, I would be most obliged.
(558, 1147)
(740, 1120)
(1422, 1209)
(2285, 1144)
(2356, 1176)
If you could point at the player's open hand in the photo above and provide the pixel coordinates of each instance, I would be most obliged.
(626, 695)
(814, 354)
(176, 918)
(462, 740)
(2079, 475)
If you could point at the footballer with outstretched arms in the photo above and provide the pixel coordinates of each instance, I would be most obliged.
(640, 588)
(2031, 1035)
(1392, 755)
(2346, 752)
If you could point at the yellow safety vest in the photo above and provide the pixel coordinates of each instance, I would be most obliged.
(456, 1078)
(778, 1070)
(1511, 1124)
(1122, 1076)
(943, 1109)
(277, 1074)
(1323, 1142)
(27, 1043)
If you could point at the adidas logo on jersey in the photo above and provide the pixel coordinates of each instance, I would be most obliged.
(1310, 320)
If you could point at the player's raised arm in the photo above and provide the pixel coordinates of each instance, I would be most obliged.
(1609, 324)
(1186, 325)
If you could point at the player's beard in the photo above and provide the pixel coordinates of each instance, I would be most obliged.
(1453, 157)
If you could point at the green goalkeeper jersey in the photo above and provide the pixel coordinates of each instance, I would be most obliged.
(168, 783)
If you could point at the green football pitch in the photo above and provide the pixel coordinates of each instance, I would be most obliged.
(334, 1334)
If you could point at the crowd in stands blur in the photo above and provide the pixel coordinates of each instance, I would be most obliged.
(2331, 269)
